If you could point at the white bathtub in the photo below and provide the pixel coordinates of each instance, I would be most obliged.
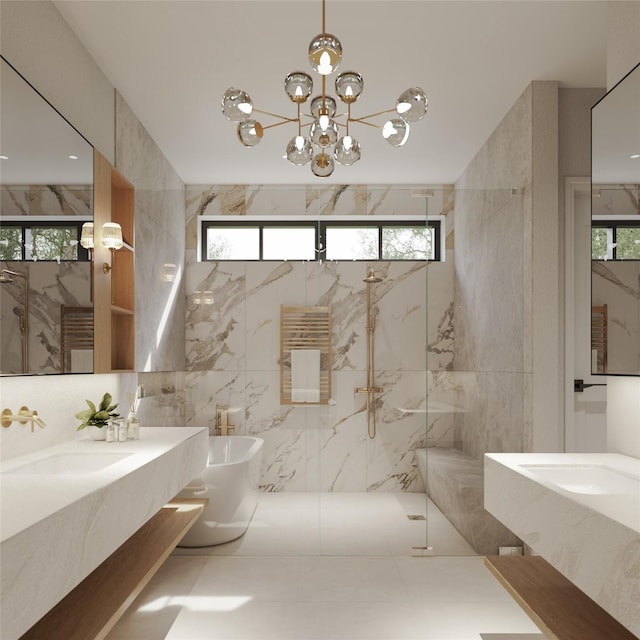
(230, 481)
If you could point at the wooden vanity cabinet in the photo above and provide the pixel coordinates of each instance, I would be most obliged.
(114, 291)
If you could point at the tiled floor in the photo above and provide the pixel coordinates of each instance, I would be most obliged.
(288, 578)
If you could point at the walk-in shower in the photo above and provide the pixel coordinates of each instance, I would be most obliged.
(371, 388)
(8, 277)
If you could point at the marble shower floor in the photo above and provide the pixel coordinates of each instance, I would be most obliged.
(288, 578)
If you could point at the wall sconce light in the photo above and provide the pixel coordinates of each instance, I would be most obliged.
(203, 297)
(112, 240)
(86, 237)
(169, 271)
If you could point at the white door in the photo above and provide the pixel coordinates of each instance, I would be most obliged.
(585, 411)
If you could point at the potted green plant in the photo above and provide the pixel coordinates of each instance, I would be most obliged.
(95, 418)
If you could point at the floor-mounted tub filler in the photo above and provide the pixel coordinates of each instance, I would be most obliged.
(230, 482)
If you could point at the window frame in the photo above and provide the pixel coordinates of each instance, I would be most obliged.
(613, 223)
(320, 227)
(25, 223)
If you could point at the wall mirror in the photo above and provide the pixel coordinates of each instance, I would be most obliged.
(46, 196)
(615, 226)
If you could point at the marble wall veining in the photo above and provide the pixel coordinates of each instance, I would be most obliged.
(617, 283)
(159, 229)
(232, 346)
(491, 357)
(50, 284)
(46, 200)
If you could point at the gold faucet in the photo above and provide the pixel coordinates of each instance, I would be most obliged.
(24, 415)
(222, 421)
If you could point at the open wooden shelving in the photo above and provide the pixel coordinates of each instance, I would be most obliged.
(92, 608)
(558, 608)
(114, 292)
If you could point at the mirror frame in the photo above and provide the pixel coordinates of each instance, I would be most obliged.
(600, 183)
(73, 215)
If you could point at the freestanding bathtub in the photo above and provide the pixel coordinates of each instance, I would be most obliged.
(230, 481)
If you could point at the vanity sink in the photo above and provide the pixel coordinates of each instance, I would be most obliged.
(70, 463)
(66, 508)
(581, 513)
(587, 478)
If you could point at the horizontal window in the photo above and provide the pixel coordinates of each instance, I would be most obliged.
(42, 240)
(615, 240)
(328, 240)
(288, 243)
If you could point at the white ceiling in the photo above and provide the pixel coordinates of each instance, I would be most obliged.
(173, 60)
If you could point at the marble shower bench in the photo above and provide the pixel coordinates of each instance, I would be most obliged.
(455, 483)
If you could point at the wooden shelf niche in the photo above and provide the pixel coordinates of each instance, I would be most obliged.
(114, 292)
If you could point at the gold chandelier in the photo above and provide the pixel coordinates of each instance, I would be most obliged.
(323, 145)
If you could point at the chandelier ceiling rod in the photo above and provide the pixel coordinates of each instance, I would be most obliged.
(324, 146)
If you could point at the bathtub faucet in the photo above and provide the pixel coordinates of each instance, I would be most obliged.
(223, 428)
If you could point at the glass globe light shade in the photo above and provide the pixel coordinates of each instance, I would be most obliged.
(395, 132)
(236, 105)
(299, 151)
(322, 165)
(325, 53)
(298, 86)
(349, 86)
(250, 133)
(347, 151)
(412, 104)
(318, 104)
(324, 131)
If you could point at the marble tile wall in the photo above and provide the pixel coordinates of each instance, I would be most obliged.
(50, 286)
(492, 353)
(232, 346)
(159, 224)
(489, 349)
(46, 200)
(618, 285)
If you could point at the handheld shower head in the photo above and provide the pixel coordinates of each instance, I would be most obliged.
(5, 278)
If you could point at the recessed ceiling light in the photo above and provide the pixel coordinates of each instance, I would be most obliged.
(72, 157)
(4, 157)
(635, 156)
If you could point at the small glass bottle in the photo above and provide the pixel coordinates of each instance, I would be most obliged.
(133, 426)
(122, 430)
(111, 431)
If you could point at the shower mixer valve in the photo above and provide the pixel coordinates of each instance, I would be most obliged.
(223, 428)
(368, 390)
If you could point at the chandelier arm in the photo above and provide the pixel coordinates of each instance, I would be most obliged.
(361, 121)
(274, 115)
(372, 115)
(279, 124)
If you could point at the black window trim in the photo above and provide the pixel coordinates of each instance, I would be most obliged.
(613, 223)
(27, 222)
(320, 226)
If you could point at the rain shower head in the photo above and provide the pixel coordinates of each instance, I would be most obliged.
(372, 278)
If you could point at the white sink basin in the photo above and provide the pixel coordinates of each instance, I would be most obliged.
(587, 478)
(70, 463)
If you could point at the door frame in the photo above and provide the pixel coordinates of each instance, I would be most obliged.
(572, 187)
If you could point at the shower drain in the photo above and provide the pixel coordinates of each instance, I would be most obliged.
(416, 517)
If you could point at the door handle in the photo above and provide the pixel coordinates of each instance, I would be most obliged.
(579, 386)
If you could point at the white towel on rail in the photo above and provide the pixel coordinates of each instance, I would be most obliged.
(305, 375)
